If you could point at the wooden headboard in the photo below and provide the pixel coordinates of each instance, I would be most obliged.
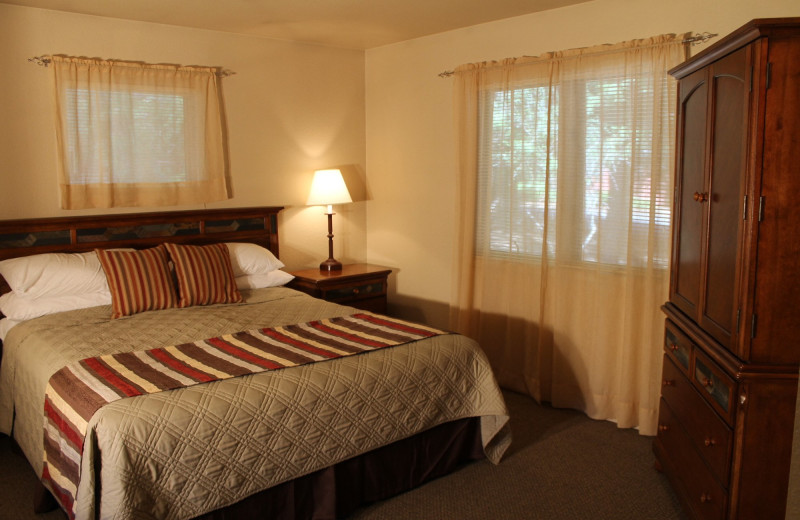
(138, 230)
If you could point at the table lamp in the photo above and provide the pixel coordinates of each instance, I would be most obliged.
(328, 188)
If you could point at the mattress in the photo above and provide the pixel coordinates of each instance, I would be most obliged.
(182, 453)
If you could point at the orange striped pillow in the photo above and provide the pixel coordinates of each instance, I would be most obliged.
(139, 280)
(204, 274)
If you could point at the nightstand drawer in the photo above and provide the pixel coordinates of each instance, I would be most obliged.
(361, 291)
(710, 435)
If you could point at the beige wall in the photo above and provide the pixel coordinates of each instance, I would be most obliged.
(410, 137)
(290, 109)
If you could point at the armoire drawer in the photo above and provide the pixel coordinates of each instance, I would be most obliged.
(712, 438)
(714, 385)
(678, 346)
(689, 474)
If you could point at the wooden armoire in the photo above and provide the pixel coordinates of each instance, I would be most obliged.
(732, 339)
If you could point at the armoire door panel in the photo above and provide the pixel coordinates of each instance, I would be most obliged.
(687, 248)
(729, 113)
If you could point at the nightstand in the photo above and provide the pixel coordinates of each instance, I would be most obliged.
(359, 285)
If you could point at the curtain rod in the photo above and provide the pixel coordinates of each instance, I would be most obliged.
(697, 39)
(44, 61)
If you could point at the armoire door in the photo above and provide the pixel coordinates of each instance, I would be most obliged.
(729, 84)
(689, 218)
(712, 151)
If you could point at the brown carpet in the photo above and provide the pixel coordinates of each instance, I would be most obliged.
(561, 466)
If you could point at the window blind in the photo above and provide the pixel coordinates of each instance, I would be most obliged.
(578, 155)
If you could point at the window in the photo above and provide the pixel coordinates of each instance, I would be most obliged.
(133, 134)
(565, 171)
(514, 162)
(147, 134)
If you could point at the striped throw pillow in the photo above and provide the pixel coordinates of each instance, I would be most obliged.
(138, 280)
(204, 274)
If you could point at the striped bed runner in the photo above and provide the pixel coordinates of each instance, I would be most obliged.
(78, 390)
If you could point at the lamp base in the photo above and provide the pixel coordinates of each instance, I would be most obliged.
(330, 265)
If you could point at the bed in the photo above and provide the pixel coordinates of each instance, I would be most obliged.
(317, 440)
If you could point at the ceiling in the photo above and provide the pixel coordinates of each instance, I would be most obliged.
(352, 24)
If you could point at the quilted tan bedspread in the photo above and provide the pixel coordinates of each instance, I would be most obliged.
(185, 452)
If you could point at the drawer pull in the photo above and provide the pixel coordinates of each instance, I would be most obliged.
(673, 347)
(669, 382)
(356, 291)
(710, 441)
(705, 498)
(663, 428)
(707, 382)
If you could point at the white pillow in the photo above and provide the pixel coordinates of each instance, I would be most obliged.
(54, 274)
(247, 259)
(5, 326)
(257, 281)
(16, 307)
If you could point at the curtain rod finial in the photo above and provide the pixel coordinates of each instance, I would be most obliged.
(697, 39)
(42, 61)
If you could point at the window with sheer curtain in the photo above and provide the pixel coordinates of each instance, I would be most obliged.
(564, 193)
(580, 145)
(136, 134)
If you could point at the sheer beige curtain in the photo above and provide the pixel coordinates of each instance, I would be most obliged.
(137, 134)
(565, 186)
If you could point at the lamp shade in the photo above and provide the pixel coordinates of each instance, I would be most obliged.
(327, 188)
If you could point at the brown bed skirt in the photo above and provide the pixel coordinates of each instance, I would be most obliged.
(337, 491)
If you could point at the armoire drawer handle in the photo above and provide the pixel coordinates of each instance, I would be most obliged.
(710, 441)
(700, 197)
(356, 291)
(705, 498)
(669, 382)
(663, 428)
